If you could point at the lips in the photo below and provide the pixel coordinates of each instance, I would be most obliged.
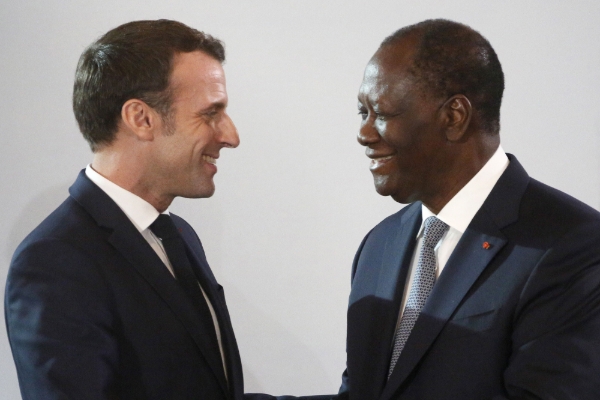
(377, 162)
(209, 159)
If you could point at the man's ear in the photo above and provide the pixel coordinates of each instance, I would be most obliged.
(457, 112)
(141, 119)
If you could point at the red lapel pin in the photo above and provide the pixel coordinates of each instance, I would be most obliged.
(486, 245)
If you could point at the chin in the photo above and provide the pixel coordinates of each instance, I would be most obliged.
(200, 192)
(383, 186)
(401, 190)
(401, 199)
(205, 188)
(398, 197)
(206, 193)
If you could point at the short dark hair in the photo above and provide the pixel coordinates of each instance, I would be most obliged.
(452, 58)
(134, 60)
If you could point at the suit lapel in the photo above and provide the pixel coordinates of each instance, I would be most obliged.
(377, 299)
(215, 294)
(467, 262)
(469, 259)
(127, 240)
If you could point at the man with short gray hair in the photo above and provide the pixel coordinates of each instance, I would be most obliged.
(487, 285)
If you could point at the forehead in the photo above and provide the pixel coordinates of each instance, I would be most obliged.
(387, 74)
(197, 73)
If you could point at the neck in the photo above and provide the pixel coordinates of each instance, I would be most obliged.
(128, 171)
(461, 169)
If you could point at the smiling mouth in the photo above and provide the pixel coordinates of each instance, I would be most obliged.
(378, 161)
(209, 159)
(382, 158)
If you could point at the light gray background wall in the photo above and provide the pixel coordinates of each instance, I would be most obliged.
(295, 199)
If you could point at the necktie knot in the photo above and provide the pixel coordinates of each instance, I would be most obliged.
(164, 227)
(434, 230)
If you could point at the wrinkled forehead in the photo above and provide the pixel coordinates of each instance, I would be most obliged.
(372, 78)
(387, 72)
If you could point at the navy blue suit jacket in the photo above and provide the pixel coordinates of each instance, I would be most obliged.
(92, 312)
(518, 320)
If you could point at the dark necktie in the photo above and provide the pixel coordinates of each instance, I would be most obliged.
(422, 285)
(164, 228)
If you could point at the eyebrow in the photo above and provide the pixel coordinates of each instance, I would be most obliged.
(218, 105)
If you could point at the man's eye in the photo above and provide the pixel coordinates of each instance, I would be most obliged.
(210, 115)
(384, 117)
(380, 117)
(363, 114)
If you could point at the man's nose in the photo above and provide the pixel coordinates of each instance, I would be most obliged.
(367, 134)
(229, 134)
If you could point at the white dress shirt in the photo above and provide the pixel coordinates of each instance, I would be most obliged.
(457, 214)
(142, 214)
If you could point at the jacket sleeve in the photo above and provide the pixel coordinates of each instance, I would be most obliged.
(60, 328)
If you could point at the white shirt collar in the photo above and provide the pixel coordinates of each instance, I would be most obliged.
(141, 213)
(461, 209)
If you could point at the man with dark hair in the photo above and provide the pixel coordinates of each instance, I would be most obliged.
(111, 296)
(486, 286)
(134, 60)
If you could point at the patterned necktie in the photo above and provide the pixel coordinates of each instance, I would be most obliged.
(164, 228)
(423, 281)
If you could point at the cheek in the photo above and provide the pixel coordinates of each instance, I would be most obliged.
(178, 153)
(202, 136)
(189, 144)
(396, 134)
(409, 136)
(380, 127)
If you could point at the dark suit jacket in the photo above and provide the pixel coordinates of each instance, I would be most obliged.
(93, 313)
(519, 320)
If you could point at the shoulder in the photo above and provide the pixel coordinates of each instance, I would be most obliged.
(531, 213)
(555, 202)
(539, 203)
(555, 214)
(565, 233)
(67, 223)
(67, 243)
